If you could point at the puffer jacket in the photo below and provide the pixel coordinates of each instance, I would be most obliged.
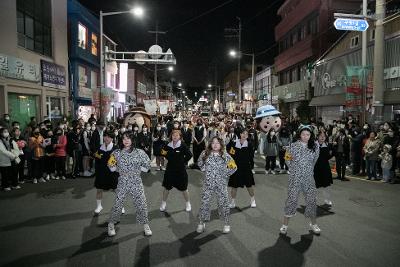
(371, 149)
(7, 156)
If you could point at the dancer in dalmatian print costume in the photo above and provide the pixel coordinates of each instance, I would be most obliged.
(218, 166)
(129, 162)
(301, 158)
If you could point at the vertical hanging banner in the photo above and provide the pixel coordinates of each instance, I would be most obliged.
(101, 100)
(164, 105)
(354, 88)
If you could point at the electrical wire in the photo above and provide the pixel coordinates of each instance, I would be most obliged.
(199, 16)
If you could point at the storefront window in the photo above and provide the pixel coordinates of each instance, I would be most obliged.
(22, 107)
(55, 107)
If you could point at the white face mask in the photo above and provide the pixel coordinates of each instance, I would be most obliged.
(123, 130)
(272, 133)
(6, 134)
(130, 128)
(145, 130)
(116, 133)
(158, 128)
(93, 128)
(136, 128)
(88, 128)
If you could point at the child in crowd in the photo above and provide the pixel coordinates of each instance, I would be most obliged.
(386, 162)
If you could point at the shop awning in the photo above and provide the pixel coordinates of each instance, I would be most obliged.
(328, 100)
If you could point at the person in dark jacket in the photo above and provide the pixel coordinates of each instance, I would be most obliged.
(187, 134)
(199, 137)
(342, 153)
(97, 137)
(242, 151)
(177, 154)
(356, 150)
(322, 169)
(145, 141)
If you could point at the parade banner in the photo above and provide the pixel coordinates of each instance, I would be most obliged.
(164, 105)
(151, 106)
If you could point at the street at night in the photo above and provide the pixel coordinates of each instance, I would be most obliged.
(52, 224)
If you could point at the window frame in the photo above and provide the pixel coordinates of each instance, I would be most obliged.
(86, 36)
(40, 14)
(352, 41)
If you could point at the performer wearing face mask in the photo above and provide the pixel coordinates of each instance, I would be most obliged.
(199, 137)
(9, 159)
(145, 140)
(159, 141)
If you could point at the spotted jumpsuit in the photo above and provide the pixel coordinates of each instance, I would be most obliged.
(215, 182)
(129, 167)
(301, 178)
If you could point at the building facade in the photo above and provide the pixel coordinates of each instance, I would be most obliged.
(338, 92)
(34, 60)
(303, 34)
(84, 55)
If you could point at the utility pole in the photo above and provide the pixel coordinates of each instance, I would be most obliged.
(364, 65)
(240, 53)
(237, 33)
(379, 85)
(156, 32)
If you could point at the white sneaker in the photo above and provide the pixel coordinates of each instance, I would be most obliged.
(98, 209)
(232, 205)
(56, 178)
(123, 211)
(41, 180)
(63, 178)
(163, 205)
(201, 227)
(158, 169)
(22, 182)
(253, 171)
(253, 203)
(273, 172)
(147, 230)
(328, 202)
(283, 229)
(87, 174)
(52, 176)
(283, 171)
(47, 177)
(227, 229)
(16, 187)
(163, 168)
(266, 172)
(111, 229)
(315, 229)
(7, 188)
(188, 206)
(288, 172)
(35, 181)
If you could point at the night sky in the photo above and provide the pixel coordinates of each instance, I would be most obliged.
(199, 45)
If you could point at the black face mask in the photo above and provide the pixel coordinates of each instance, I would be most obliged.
(59, 133)
(36, 134)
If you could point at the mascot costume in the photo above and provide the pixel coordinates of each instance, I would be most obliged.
(267, 118)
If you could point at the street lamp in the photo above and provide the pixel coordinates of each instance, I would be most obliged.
(170, 68)
(233, 53)
(136, 11)
(180, 84)
(217, 95)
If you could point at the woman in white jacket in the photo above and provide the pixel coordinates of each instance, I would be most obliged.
(9, 158)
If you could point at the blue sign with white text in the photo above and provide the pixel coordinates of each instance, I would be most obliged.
(345, 24)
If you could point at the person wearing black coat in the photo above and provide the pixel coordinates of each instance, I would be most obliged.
(322, 169)
(242, 151)
(342, 153)
(145, 141)
(97, 137)
(356, 148)
(178, 155)
(187, 134)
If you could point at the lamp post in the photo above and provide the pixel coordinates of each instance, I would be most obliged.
(233, 53)
(136, 11)
(217, 96)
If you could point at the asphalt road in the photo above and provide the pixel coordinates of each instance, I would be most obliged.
(52, 224)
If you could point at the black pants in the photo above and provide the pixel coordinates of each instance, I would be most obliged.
(9, 176)
(197, 149)
(356, 165)
(21, 169)
(282, 162)
(60, 166)
(77, 166)
(50, 165)
(37, 168)
(363, 166)
(270, 163)
(340, 165)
